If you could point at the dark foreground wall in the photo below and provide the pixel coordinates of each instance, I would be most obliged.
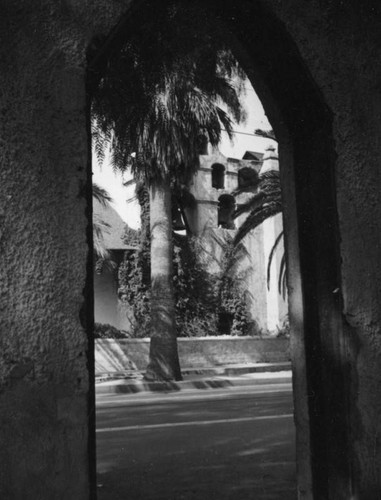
(44, 375)
(44, 371)
(121, 355)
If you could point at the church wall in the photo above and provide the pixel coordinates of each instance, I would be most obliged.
(263, 309)
(254, 269)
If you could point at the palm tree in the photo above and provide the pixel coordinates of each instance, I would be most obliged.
(160, 92)
(265, 203)
(99, 225)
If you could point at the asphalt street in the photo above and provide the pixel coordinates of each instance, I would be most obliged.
(235, 443)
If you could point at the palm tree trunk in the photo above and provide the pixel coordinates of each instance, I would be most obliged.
(163, 357)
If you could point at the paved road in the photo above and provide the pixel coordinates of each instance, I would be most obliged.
(235, 443)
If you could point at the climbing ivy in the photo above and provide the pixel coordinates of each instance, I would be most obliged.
(196, 301)
(232, 308)
(134, 272)
(232, 293)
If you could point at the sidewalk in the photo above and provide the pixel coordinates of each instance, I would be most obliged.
(217, 377)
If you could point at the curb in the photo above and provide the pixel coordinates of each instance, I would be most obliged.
(136, 386)
(227, 370)
(238, 369)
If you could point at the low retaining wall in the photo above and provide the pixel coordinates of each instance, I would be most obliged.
(122, 355)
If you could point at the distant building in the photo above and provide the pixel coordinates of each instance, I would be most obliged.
(210, 219)
(107, 307)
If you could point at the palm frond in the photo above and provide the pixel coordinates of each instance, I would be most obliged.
(256, 217)
(211, 256)
(253, 203)
(270, 175)
(268, 134)
(99, 228)
(271, 256)
(101, 195)
(268, 190)
(282, 283)
(234, 258)
(157, 97)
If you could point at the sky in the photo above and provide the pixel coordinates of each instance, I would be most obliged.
(123, 197)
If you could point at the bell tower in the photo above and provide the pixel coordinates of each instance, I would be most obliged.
(211, 221)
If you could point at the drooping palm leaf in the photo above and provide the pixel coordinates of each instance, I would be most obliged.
(255, 202)
(282, 281)
(100, 227)
(211, 256)
(256, 217)
(265, 203)
(101, 195)
(265, 187)
(271, 256)
(233, 260)
(163, 89)
(268, 134)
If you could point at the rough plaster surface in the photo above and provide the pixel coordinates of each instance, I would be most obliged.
(43, 156)
(337, 42)
(43, 422)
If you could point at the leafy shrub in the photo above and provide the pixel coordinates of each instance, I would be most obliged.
(134, 291)
(233, 308)
(284, 329)
(194, 292)
(198, 326)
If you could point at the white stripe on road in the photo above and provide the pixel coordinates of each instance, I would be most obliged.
(195, 422)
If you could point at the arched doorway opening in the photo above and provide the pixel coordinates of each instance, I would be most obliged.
(303, 125)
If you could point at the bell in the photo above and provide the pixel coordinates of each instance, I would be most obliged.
(177, 221)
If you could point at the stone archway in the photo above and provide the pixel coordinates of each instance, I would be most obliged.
(303, 58)
(303, 123)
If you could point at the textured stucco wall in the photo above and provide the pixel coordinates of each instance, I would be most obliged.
(337, 42)
(43, 400)
(44, 380)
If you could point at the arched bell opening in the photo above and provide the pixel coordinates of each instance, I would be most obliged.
(247, 177)
(218, 176)
(226, 207)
